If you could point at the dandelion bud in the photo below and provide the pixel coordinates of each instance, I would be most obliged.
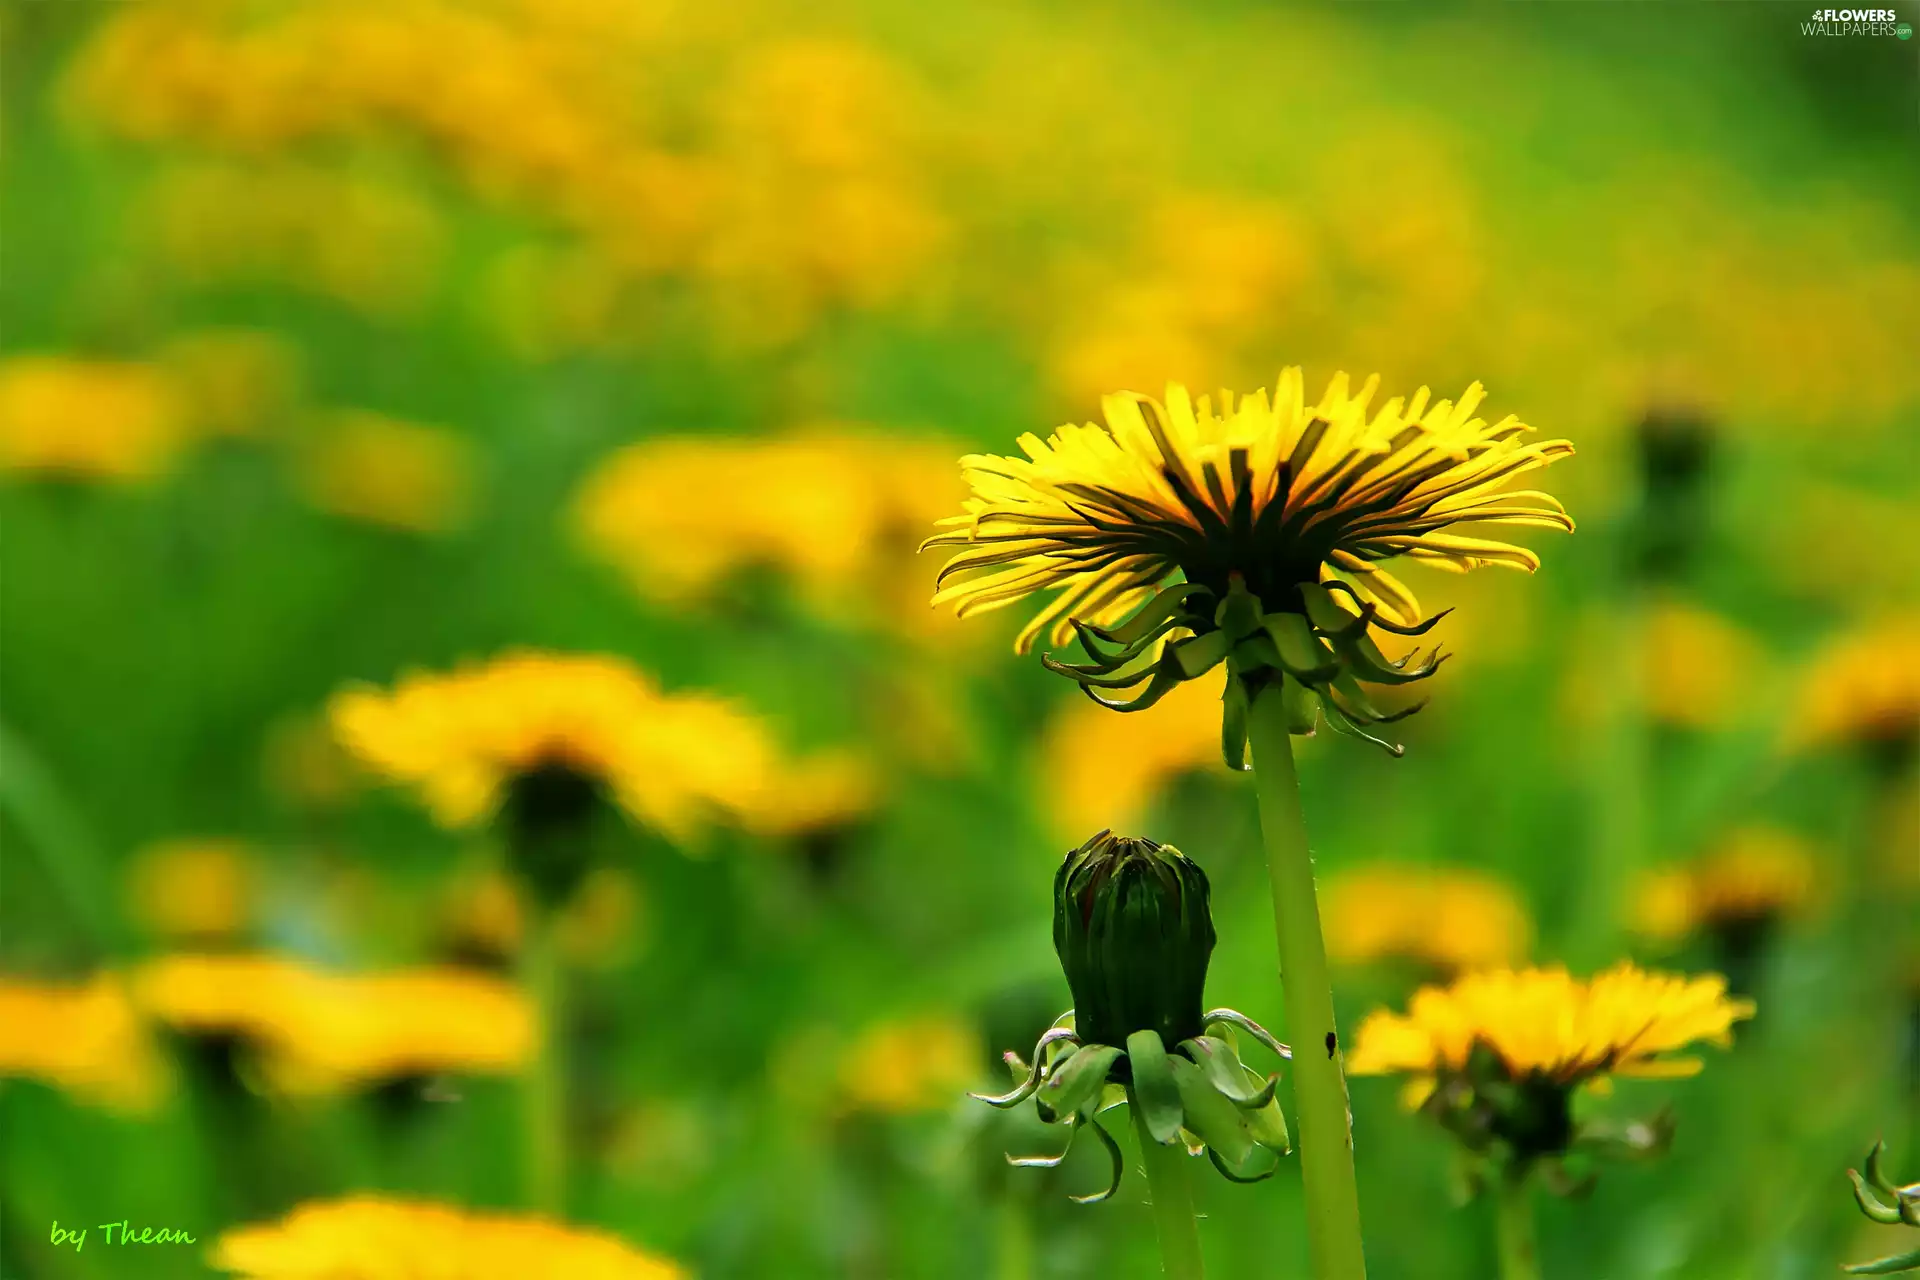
(1134, 932)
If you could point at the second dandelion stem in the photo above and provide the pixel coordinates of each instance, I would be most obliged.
(1319, 1083)
(1172, 1201)
(546, 1079)
(1513, 1228)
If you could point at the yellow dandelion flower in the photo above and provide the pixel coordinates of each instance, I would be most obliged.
(372, 1238)
(1699, 664)
(192, 890)
(1447, 918)
(1263, 508)
(819, 793)
(87, 1039)
(400, 475)
(910, 1066)
(1757, 874)
(599, 927)
(315, 1031)
(233, 382)
(366, 1028)
(1099, 772)
(97, 419)
(831, 507)
(1864, 688)
(671, 759)
(1546, 1025)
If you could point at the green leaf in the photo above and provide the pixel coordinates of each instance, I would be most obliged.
(1155, 1091)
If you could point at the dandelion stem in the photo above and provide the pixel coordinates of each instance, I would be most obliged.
(1016, 1238)
(1319, 1083)
(1513, 1227)
(1172, 1197)
(545, 1102)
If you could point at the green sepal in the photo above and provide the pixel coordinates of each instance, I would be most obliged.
(1304, 655)
(1198, 655)
(1155, 1091)
(1344, 723)
(1269, 1122)
(1212, 1117)
(1113, 658)
(1046, 1162)
(1302, 706)
(1117, 1163)
(1233, 1175)
(1373, 617)
(1257, 653)
(1326, 613)
(1363, 658)
(1239, 612)
(1077, 1078)
(1869, 1205)
(1234, 1018)
(1101, 676)
(1887, 1266)
(1165, 605)
(1876, 1174)
(1166, 678)
(1225, 1072)
(1233, 724)
(1024, 1088)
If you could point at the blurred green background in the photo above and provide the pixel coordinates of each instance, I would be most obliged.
(319, 316)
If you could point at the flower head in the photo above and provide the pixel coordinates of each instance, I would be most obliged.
(99, 419)
(530, 722)
(826, 506)
(1268, 511)
(1864, 689)
(87, 1039)
(1447, 918)
(1497, 1055)
(315, 1031)
(398, 475)
(372, 1238)
(1757, 874)
(193, 889)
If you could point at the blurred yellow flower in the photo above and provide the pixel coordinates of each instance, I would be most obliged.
(1277, 491)
(366, 242)
(96, 419)
(87, 1039)
(318, 1031)
(1698, 666)
(837, 508)
(598, 927)
(303, 764)
(1757, 873)
(1545, 1025)
(383, 471)
(816, 793)
(233, 382)
(672, 760)
(1864, 687)
(1447, 918)
(193, 890)
(910, 1066)
(1100, 771)
(370, 1238)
